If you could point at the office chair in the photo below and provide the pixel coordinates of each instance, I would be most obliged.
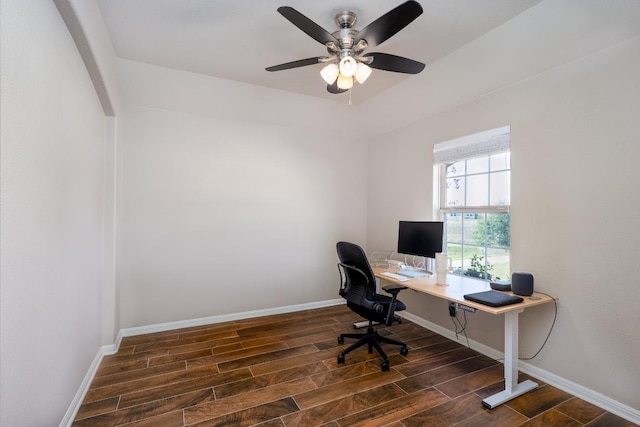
(358, 287)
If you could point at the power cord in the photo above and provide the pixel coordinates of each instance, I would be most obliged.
(417, 264)
(555, 316)
(463, 330)
(456, 323)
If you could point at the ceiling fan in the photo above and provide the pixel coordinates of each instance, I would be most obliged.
(346, 60)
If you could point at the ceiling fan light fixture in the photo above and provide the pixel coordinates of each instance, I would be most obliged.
(348, 66)
(363, 71)
(330, 73)
(346, 47)
(345, 82)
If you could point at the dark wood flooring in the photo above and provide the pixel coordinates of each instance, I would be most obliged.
(282, 370)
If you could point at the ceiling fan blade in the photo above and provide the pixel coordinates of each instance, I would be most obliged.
(312, 29)
(295, 64)
(333, 88)
(390, 23)
(397, 64)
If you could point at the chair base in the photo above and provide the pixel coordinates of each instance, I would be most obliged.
(373, 340)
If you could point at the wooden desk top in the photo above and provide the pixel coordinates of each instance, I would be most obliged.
(457, 287)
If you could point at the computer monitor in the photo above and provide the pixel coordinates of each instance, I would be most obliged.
(421, 238)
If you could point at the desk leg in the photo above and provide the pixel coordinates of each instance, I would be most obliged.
(511, 387)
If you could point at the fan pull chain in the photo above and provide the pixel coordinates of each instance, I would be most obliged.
(350, 104)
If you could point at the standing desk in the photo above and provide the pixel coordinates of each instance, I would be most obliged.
(456, 288)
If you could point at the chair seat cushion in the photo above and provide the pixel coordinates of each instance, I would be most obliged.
(370, 314)
(383, 299)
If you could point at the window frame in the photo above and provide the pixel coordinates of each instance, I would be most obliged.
(440, 191)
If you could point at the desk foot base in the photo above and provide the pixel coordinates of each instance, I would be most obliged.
(504, 396)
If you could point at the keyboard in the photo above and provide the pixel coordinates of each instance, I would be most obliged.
(412, 274)
(394, 276)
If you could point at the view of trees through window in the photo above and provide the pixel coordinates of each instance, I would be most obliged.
(476, 214)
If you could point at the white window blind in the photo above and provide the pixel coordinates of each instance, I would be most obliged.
(480, 144)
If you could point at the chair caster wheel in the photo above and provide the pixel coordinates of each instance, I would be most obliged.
(340, 340)
(399, 320)
(341, 358)
(384, 366)
(404, 351)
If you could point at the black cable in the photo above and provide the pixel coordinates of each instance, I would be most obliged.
(455, 326)
(463, 330)
(463, 327)
(555, 316)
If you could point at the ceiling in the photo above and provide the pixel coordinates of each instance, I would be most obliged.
(236, 40)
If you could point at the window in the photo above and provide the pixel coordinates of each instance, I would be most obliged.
(473, 198)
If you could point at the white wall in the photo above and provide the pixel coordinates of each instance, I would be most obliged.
(574, 210)
(85, 23)
(218, 177)
(225, 215)
(52, 196)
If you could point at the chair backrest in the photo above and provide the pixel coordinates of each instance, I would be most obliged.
(359, 286)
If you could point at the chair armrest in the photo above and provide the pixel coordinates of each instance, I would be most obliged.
(394, 290)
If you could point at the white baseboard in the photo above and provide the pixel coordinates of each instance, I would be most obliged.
(170, 326)
(71, 413)
(584, 393)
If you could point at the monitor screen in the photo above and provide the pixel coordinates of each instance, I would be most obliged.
(421, 238)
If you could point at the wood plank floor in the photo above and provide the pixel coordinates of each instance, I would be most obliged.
(282, 371)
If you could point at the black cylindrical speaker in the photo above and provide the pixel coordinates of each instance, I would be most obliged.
(522, 283)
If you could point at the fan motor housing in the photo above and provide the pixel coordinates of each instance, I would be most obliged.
(346, 34)
(346, 19)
